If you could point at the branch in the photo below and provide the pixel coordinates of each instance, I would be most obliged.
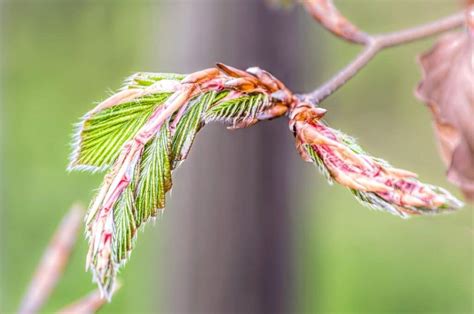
(145, 131)
(373, 45)
(89, 304)
(53, 262)
(338, 80)
(420, 32)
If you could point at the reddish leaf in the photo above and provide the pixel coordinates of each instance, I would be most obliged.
(448, 90)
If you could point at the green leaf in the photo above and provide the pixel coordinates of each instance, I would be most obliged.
(188, 126)
(238, 109)
(125, 226)
(145, 79)
(101, 136)
(155, 176)
(124, 230)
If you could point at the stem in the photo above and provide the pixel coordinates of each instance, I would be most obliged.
(376, 44)
(88, 304)
(420, 32)
(53, 262)
(343, 76)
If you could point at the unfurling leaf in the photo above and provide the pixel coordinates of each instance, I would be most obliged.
(448, 90)
(373, 181)
(155, 176)
(143, 132)
(103, 133)
(188, 126)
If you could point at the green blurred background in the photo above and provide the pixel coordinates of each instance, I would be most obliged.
(58, 57)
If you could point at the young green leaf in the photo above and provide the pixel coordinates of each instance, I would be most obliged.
(101, 135)
(238, 110)
(143, 80)
(155, 176)
(125, 225)
(188, 126)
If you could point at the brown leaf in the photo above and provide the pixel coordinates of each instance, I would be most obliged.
(448, 90)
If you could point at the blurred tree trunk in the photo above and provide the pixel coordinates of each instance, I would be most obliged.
(227, 238)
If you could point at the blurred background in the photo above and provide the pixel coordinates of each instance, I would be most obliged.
(249, 227)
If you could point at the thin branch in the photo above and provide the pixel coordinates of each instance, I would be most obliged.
(343, 76)
(53, 262)
(420, 32)
(376, 44)
(89, 304)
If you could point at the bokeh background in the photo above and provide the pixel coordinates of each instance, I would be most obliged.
(249, 227)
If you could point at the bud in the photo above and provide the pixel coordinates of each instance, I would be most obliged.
(373, 181)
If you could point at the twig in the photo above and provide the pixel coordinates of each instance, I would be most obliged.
(338, 80)
(53, 262)
(419, 32)
(89, 304)
(373, 46)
